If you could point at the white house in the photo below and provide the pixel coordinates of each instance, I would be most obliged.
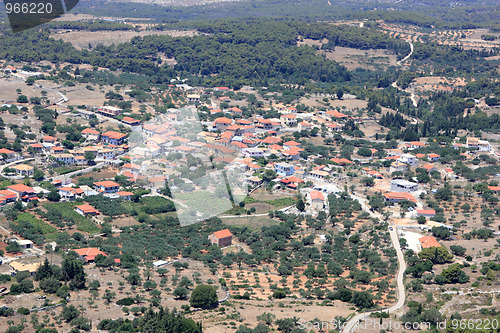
(408, 159)
(252, 152)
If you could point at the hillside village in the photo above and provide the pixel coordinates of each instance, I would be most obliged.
(307, 152)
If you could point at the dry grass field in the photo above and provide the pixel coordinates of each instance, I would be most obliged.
(82, 39)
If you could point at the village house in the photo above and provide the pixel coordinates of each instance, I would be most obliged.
(125, 195)
(91, 134)
(401, 185)
(429, 167)
(36, 148)
(64, 158)
(289, 120)
(292, 182)
(334, 127)
(284, 169)
(291, 144)
(86, 210)
(22, 190)
(399, 196)
(114, 138)
(398, 166)
(193, 98)
(408, 159)
(221, 238)
(8, 155)
(111, 111)
(252, 152)
(334, 114)
(106, 186)
(105, 154)
(317, 200)
(24, 170)
(292, 154)
(88, 254)
(17, 267)
(319, 174)
(70, 193)
(426, 212)
(428, 242)
(49, 139)
(221, 123)
(415, 144)
(480, 145)
(303, 126)
(23, 243)
(433, 157)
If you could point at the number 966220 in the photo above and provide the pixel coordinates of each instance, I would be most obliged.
(28, 8)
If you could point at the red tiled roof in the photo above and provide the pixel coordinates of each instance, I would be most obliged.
(336, 114)
(124, 193)
(20, 188)
(426, 211)
(6, 151)
(49, 138)
(400, 196)
(114, 135)
(90, 131)
(89, 252)
(291, 143)
(428, 166)
(106, 183)
(130, 120)
(86, 208)
(428, 241)
(317, 195)
(223, 233)
(223, 120)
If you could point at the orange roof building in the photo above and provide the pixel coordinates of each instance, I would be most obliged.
(86, 210)
(221, 238)
(428, 242)
(336, 114)
(89, 253)
(106, 186)
(399, 196)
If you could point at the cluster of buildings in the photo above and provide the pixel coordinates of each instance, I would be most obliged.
(99, 147)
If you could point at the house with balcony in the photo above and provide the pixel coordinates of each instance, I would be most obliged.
(113, 137)
(110, 111)
(408, 159)
(106, 186)
(284, 169)
(64, 158)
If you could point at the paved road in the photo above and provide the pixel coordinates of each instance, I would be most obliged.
(253, 215)
(352, 323)
(82, 171)
(14, 163)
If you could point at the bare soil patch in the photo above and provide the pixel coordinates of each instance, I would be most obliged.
(82, 39)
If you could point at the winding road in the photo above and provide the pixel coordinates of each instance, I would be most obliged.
(400, 62)
(353, 323)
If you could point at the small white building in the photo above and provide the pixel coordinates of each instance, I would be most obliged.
(401, 185)
(252, 152)
(408, 159)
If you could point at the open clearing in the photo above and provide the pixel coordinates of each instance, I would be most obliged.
(82, 39)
